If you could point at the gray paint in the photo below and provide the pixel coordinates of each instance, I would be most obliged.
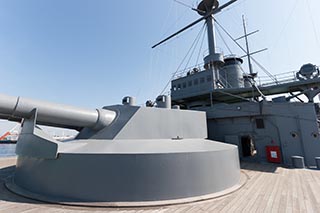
(231, 73)
(282, 122)
(233, 108)
(230, 116)
(125, 175)
(144, 154)
(163, 101)
(317, 159)
(128, 100)
(158, 123)
(177, 85)
(184, 96)
(164, 123)
(35, 143)
(298, 162)
(54, 114)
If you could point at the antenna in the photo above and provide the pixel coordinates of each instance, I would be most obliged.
(249, 54)
(247, 44)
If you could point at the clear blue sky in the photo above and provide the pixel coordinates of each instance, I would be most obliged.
(91, 53)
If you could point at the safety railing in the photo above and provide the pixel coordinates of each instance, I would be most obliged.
(282, 78)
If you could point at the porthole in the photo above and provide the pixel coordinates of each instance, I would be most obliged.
(294, 134)
(315, 134)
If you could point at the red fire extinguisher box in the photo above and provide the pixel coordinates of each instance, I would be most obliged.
(273, 154)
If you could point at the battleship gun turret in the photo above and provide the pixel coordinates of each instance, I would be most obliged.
(124, 155)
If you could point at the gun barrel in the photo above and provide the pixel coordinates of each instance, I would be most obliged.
(52, 114)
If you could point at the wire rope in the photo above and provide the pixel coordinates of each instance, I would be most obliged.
(224, 41)
(177, 70)
(313, 24)
(198, 39)
(261, 67)
(286, 23)
(199, 53)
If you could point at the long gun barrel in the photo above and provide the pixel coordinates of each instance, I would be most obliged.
(51, 114)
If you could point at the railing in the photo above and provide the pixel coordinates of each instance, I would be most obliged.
(198, 67)
(282, 78)
(191, 69)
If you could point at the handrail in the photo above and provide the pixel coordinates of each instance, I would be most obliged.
(261, 80)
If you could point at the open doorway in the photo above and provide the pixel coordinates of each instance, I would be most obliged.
(248, 147)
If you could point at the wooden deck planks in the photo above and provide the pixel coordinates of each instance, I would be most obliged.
(288, 206)
(308, 188)
(268, 189)
(277, 197)
(240, 203)
(261, 192)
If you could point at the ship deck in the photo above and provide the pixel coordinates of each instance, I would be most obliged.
(269, 188)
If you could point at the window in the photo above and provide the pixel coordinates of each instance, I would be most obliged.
(189, 83)
(209, 78)
(184, 85)
(195, 81)
(202, 80)
(260, 123)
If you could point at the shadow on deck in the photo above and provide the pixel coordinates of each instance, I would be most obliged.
(5, 194)
(261, 166)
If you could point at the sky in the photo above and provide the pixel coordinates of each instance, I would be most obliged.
(92, 53)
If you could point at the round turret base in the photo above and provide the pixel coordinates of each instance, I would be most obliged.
(130, 173)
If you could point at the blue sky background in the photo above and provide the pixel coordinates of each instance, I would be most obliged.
(91, 53)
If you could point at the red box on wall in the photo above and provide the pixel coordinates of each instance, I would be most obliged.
(273, 154)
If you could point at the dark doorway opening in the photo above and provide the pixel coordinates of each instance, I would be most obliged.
(247, 145)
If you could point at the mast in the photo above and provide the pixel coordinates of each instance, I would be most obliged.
(207, 9)
(247, 44)
(211, 35)
(212, 52)
(248, 54)
(214, 60)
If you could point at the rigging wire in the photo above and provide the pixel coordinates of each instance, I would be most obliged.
(155, 59)
(173, 23)
(231, 7)
(166, 20)
(198, 39)
(177, 70)
(223, 40)
(184, 4)
(313, 24)
(263, 69)
(286, 23)
(199, 53)
(234, 17)
(154, 56)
